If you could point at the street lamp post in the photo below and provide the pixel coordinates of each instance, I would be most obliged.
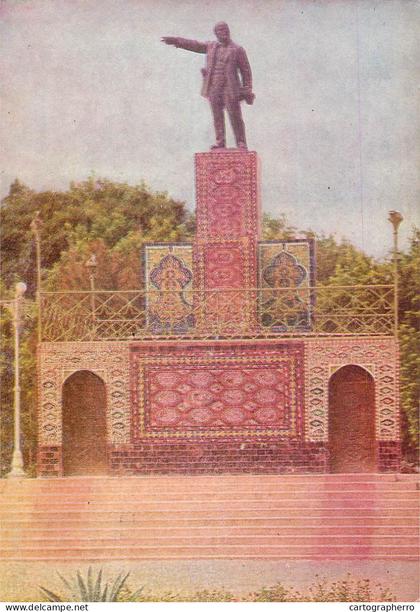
(395, 218)
(17, 470)
(91, 266)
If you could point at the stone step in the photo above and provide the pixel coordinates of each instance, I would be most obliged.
(213, 522)
(141, 514)
(273, 551)
(86, 502)
(53, 531)
(210, 517)
(51, 490)
(221, 496)
(18, 542)
(222, 480)
(222, 492)
(76, 558)
(316, 505)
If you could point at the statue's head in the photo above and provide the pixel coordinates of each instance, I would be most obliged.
(221, 29)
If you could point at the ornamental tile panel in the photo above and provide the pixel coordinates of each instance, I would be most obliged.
(286, 271)
(379, 356)
(225, 275)
(227, 195)
(58, 361)
(168, 272)
(217, 390)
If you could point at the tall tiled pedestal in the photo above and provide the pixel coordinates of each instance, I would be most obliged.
(225, 248)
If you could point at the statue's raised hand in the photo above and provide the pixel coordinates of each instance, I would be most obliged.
(169, 40)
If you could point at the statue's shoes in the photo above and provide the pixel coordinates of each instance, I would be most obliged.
(218, 146)
(242, 146)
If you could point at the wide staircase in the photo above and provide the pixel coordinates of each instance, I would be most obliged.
(335, 516)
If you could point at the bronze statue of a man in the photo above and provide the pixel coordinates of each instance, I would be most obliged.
(227, 80)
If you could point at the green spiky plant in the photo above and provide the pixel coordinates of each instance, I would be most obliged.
(91, 588)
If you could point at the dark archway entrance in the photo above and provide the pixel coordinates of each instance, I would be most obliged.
(84, 424)
(352, 420)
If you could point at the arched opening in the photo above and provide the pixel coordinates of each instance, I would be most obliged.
(351, 407)
(84, 424)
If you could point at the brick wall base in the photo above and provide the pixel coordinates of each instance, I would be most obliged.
(215, 457)
(160, 457)
(389, 456)
(50, 461)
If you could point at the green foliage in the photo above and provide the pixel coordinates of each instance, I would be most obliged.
(409, 336)
(346, 589)
(16, 215)
(210, 595)
(410, 387)
(117, 268)
(409, 298)
(127, 594)
(276, 229)
(169, 596)
(91, 588)
(90, 211)
(344, 264)
(277, 592)
(322, 590)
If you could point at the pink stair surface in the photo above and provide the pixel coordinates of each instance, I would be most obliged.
(336, 516)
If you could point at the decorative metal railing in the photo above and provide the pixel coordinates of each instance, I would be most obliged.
(256, 313)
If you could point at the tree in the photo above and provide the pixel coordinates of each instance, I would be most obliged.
(409, 336)
(277, 228)
(109, 219)
(90, 211)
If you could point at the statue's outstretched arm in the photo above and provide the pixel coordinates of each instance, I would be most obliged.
(185, 43)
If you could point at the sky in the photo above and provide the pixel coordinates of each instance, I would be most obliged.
(86, 87)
